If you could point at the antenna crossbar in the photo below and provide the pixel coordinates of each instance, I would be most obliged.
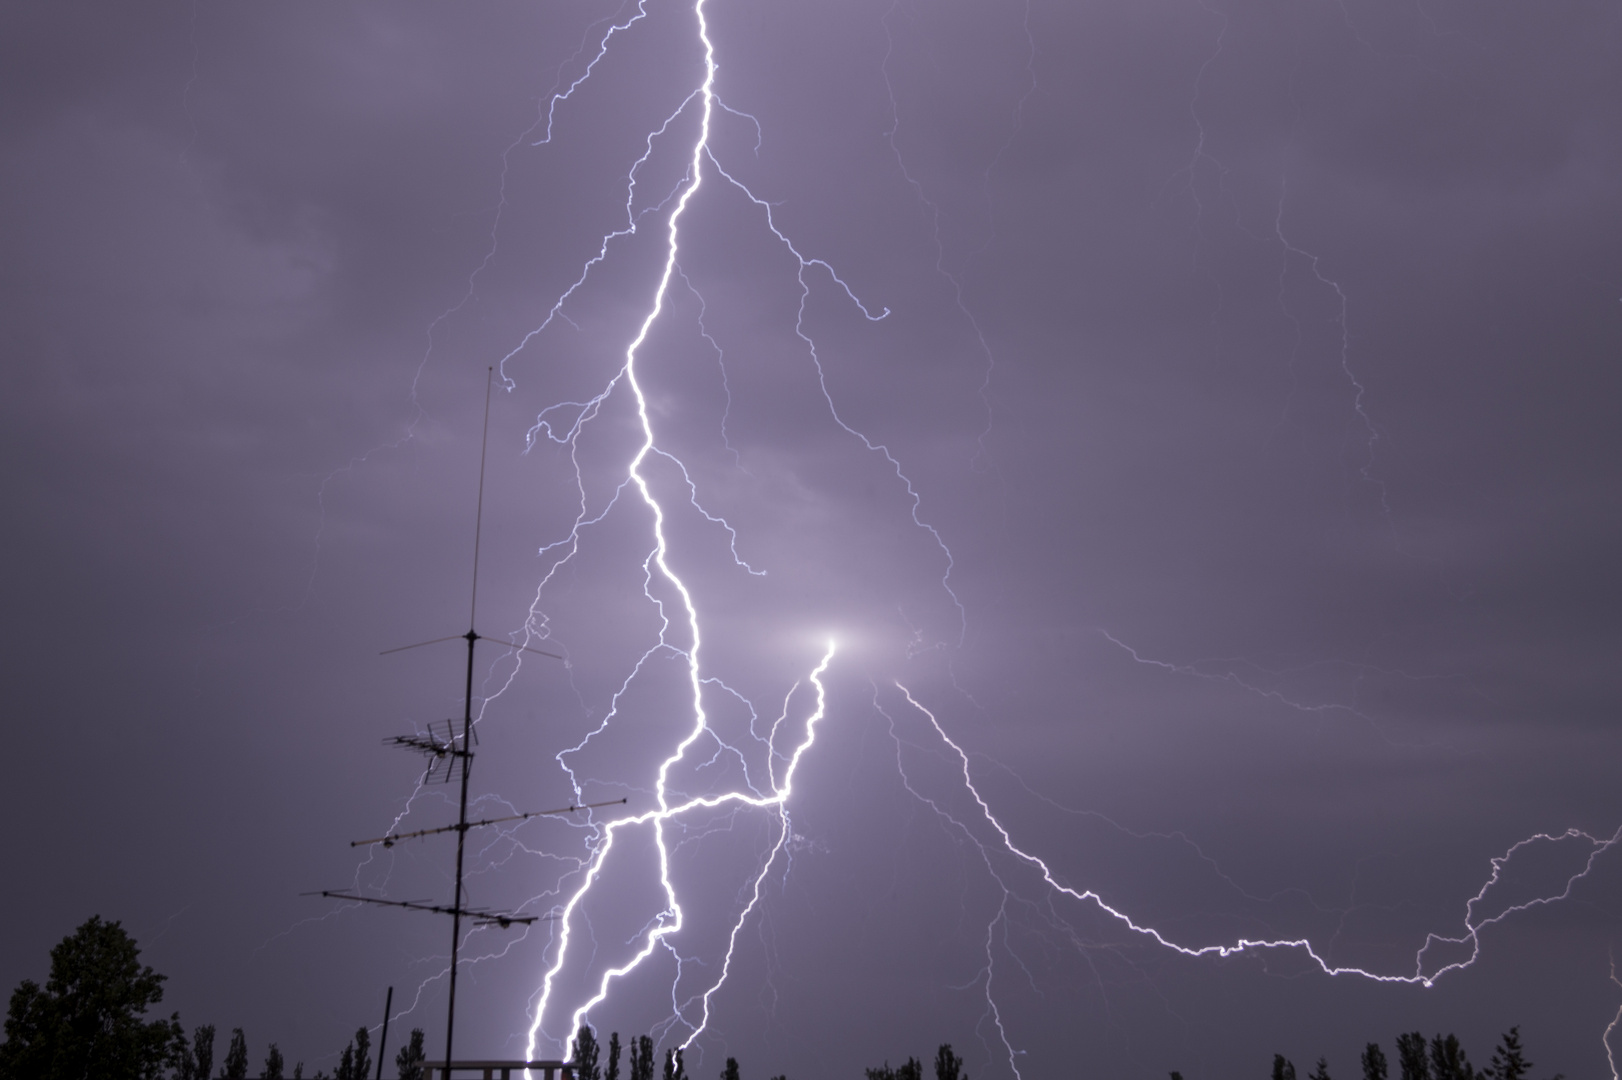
(471, 636)
(394, 838)
(480, 916)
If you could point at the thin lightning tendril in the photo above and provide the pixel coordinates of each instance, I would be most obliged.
(1610, 1056)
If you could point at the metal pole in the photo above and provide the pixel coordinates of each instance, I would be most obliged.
(461, 845)
(467, 731)
(383, 1039)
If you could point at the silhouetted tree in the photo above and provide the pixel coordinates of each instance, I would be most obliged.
(948, 1066)
(1411, 1057)
(642, 1058)
(731, 1070)
(201, 1056)
(1175, 1075)
(363, 1054)
(585, 1055)
(1442, 1058)
(675, 1068)
(273, 1064)
(90, 1017)
(356, 1062)
(1509, 1060)
(411, 1058)
(613, 1072)
(1449, 1061)
(236, 1057)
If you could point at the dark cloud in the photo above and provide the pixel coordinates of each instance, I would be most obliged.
(1254, 362)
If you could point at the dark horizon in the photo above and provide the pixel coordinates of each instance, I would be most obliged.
(1194, 425)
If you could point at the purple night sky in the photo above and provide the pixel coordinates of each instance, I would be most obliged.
(1234, 478)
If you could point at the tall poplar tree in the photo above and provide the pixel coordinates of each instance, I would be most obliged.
(586, 1052)
(411, 1059)
(236, 1057)
(1449, 1061)
(642, 1058)
(273, 1064)
(197, 1062)
(948, 1066)
(1411, 1057)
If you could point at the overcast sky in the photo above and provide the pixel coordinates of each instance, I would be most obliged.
(1204, 412)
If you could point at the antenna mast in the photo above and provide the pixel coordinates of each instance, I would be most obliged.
(446, 752)
(467, 726)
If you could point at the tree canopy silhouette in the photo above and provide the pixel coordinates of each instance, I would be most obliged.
(586, 1052)
(236, 1057)
(1374, 1063)
(412, 1059)
(642, 1058)
(89, 1018)
(1440, 1059)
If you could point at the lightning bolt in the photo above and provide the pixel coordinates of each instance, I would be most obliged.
(670, 921)
(679, 608)
(1425, 973)
(672, 597)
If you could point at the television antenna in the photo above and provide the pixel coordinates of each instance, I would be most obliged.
(449, 756)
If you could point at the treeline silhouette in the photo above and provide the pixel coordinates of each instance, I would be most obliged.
(89, 1021)
(1445, 1060)
(196, 1061)
(592, 1063)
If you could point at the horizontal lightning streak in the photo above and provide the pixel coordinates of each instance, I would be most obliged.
(1473, 924)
